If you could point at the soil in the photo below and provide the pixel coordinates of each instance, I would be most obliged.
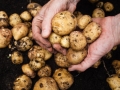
(91, 79)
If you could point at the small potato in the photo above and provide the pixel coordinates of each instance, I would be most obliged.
(63, 78)
(54, 38)
(83, 21)
(26, 16)
(114, 82)
(28, 24)
(22, 82)
(48, 55)
(99, 4)
(33, 8)
(92, 32)
(3, 19)
(19, 31)
(65, 41)
(23, 44)
(36, 64)
(98, 12)
(97, 64)
(77, 40)
(75, 57)
(93, 1)
(46, 83)
(45, 71)
(78, 15)
(28, 71)
(5, 37)
(63, 23)
(17, 57)
(116, 65)
(14, 19)
(30, 34)
(108, 6)
(61, 60)
(108, 55)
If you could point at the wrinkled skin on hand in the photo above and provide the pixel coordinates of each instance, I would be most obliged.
(106, 41)
(41, 25)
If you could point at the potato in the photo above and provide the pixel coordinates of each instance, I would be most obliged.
(23, 44)
(83, 21)
(22, 82)
(28, 71)
(3, 19)
(114, 82)
(77, 40)
(14, 19)
(108, 55)
(65, 41)
(116, 65)
(98, 12)
(46, 83)
(61, 60)
(33, 8)
(93, 1)
(54, 38)
(36, 64)
(28, 24)
(100, 4)
(75, 57)
(30, 34)
(17, 57)
(48, 55)
(108, 6)
(63, 78)
(63, 23)
(97, 64)
(45, 71)
(26, 16)
(19, 31)
(5, 37)
(92, 32)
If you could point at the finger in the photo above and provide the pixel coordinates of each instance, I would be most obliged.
(72, 7)
(97, 20)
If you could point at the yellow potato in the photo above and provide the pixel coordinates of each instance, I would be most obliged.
(98, 12)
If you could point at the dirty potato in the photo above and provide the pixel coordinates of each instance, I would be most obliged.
(108, 6)
(26, 16)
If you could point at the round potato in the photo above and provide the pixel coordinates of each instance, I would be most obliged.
(26, 16)
(92, 32)
(63, 23)
(5, 37)
(61, 60)
(46, 83)
(83, 21)
(108, 6)
(65, 41)
(78, 15)
(63, 78)
(77, 40)
(98, 12)
(99, 4)
(75, 57)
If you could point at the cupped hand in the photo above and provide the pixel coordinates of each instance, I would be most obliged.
(41, 24)
(100, 47)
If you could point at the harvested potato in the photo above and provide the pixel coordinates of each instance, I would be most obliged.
(65, 41)
(36, 64)
(24, 44)
(14, 19)
(30, 34)
(93, 1)
(54, 38)
(108, 55)
(83, 21)
(78, 15)
(77, 40)
(33, 8)
(63, 78)
(75, 57)
(99, 4)
(26, 16)
(96, 65)
(92, 32)
(114, 82)
(28, 24)
(22, 82)
(45, 71)
(48, 55)
(116, 65)
(17, 57)
(63, 23)
(26, 69)
(19, 31)
(3, 19)
(98, 12)
(108, 6)
(46, 83)
(5, 37)
(61, 60)
(114, 48)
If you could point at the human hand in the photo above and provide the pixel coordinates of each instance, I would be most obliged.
(41, 24)
(108, 38)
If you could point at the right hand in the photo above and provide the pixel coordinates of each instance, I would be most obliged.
(41, 24)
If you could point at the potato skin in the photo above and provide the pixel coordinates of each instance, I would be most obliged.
(77, 40)
(46, 83)
(108, 6)
(63, 23)
(75, 57)
(92, 32)
(116, 65)
(98, 12)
